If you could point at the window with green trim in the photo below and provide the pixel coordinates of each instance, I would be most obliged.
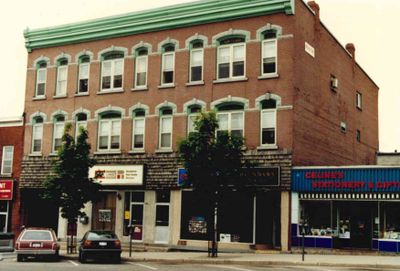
(196, 61)
(231, 58)
(37, 134)
(58, 130)
(193, 113)
(141, 68)
(138, 134)
(41, 74)
(112, 69)
(62, 75)
(269, 53)
(231, 119)
(109, 131)
(268, 122)
(168, 64)
(83, 74)
(80, 123)
(165, 130)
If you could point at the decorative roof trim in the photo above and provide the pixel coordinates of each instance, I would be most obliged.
(170, 17)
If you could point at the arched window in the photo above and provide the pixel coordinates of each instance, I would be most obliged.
(165, 129)
(109, 131)
(196, 61)
(138, 134)
(230, 117)
(62, 75)
(37, 134)
(231, 57)
(268, 122)
(269, 52)
(41, 74)
(58, 130)
(112, 68)
(193, 112)
(168, 64)
(83, 74)
(80, 123)
(141, 67)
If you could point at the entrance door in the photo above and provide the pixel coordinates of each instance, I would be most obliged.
(3, 216)
(104, 212)
(360, 225)
(162, 217)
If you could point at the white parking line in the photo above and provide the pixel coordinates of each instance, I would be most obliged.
(143, 265)
(74, 263)
(229, 267)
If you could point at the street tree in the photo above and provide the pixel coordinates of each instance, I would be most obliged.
(213, 160)
(68, 186)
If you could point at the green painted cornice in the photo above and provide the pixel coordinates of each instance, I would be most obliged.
(176, 16)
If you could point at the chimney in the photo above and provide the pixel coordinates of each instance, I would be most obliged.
(315, 7)
(352, 50)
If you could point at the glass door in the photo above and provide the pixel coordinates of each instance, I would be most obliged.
(137, 210)
(162, 217)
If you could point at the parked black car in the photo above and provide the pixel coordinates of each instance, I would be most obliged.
(100, 245)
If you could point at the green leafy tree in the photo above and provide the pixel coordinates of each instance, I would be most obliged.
(69, 186)
(213, 161)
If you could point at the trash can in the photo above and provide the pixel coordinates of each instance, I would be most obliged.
(6, 242)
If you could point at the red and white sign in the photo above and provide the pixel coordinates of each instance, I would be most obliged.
(6, 189)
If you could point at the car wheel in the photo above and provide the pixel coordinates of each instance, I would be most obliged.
(20, 258)
(82, 257)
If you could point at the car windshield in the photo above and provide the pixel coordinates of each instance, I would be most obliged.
(101, 235)
(37, 235)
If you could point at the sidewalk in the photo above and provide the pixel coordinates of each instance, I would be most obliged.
(255, 259)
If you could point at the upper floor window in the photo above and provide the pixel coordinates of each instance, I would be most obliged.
(165, 135)
(269, 53)
(7, 161)
(194, 112)
(80, 123)
(58, 130)
(139, 122)
(109, 131)
(358, 100)
(231, 58)
(334, 83)
(196, 61)
(231, 118)
(41, 74)
(62, 74)
(37, 134)
(112, 68)
(141, 68)
(268, 122)
(168, 64)
(83, 74)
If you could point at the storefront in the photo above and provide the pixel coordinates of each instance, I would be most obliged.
(6, 197)
(346, 207)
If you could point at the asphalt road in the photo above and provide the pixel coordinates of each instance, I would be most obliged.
(9, 263)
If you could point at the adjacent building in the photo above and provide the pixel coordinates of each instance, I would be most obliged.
(271, 70)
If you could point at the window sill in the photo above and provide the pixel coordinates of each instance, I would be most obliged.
(35, 154)
(140, 88)
(107, 152)
(166, 86)
(39, 98)
(110, 91)
(267, 147)
(59, 96)
(81, 94)
(136, 152)
(6, 175)
(195, 83)
(230, 80)
(164, 151)
(53, 154)
(268, 76)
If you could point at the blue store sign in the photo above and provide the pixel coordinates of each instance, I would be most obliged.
(346, 180)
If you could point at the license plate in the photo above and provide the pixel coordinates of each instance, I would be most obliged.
(103, 244)
(36, 245)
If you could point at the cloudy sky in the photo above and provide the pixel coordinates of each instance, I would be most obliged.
(371, 25)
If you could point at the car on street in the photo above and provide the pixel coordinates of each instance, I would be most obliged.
(37, 242)
(100, 245)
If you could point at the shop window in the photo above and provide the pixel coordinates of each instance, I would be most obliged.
(269, 53)
(165, 129)
(7, 160)
(141, 68)
(62, 76)
(37, 134)
(231, 119)
(231, 58)
(390, 220)
(316, 217)
(139, 121)
(196, 61)
(168, 64)
(41, 74)
(83, 74)
(80, 123)
(268, 122)
(109, 131)
(112, 68)
(58, 130)
(193, 114)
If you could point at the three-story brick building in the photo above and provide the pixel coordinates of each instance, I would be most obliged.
(270, 69)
